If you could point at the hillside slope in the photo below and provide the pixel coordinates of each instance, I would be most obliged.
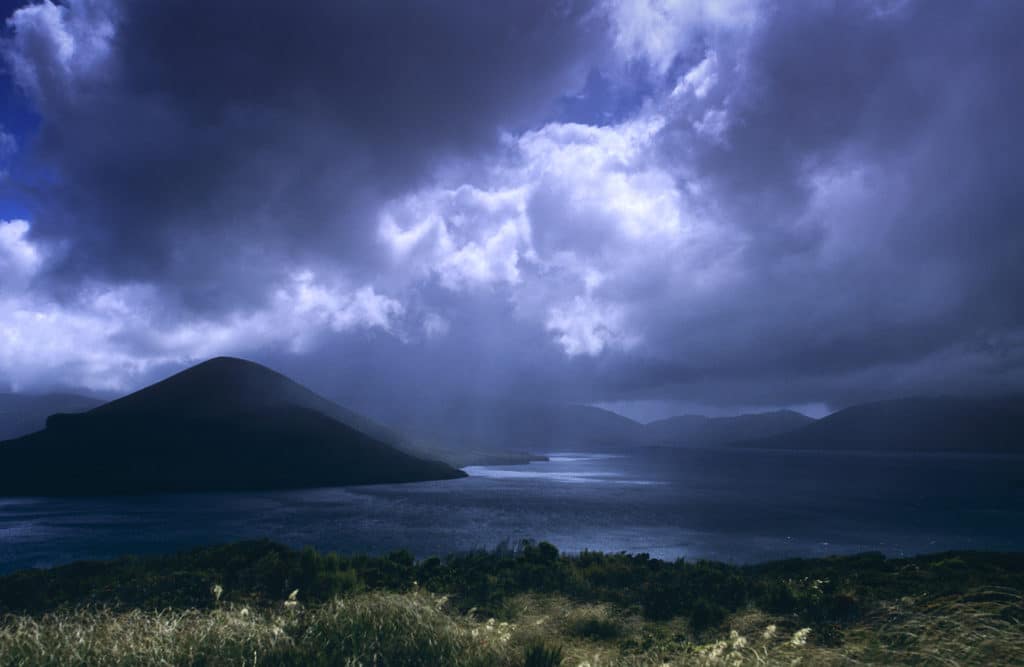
(913, 424)
(700, 431)
(21, 414)
(226, 424)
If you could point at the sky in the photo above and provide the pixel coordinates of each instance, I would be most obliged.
(655, 205)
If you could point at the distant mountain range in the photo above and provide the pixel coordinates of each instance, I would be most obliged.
(700, 431)
(230, 424)
(225, 424)
(26, 413)
(494, 425)
(912, 424)
(460, 432)
(484, 425)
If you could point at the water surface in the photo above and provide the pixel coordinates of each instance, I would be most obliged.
(731, 505)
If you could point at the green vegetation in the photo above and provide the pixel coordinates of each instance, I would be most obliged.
(260, 603)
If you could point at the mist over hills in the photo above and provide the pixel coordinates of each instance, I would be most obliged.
(225, 424)
(913, 424)
(508, 425)
(25, 413)
(534, 426)
(701, 431)
(219, 403)
(230, 424)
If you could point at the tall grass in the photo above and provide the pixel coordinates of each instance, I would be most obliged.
(368, 629)
(262, 604)
(418, 629)
(374, 629)
(99, 637)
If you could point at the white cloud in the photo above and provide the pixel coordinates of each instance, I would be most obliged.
(713, 125)
(317, 303)
(586, 327)
(105, 335)
(20, 259)
(57, 47)
(605, 179)
(466, 236)
(494, 260)
(606, 185)
(573, 223)
(435, 326)
(42, 340)
(658, 30)
(701, 79)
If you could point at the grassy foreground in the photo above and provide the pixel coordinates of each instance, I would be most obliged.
(259, 603)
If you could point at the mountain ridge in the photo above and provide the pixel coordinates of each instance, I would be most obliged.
(21, 414)
(224, 424)
(702, 431)
(917, 423)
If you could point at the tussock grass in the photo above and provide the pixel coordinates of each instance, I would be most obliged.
(100, 637)
(599, 626)
(393, 629)
(261, 604)
(982, 627)
(373, 629)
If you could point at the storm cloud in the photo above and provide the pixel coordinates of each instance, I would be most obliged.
(705, 203)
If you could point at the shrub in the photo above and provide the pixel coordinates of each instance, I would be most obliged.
(662, 597)
(706, 615)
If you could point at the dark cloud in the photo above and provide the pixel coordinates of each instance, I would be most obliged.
(781, 204)
(867, 157)
(181, 134)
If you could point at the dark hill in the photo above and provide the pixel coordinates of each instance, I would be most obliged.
(700, 431)
(225, 424)
(913, 424)
(21, 414)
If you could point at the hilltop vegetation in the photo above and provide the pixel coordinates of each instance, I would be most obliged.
(261, 603)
